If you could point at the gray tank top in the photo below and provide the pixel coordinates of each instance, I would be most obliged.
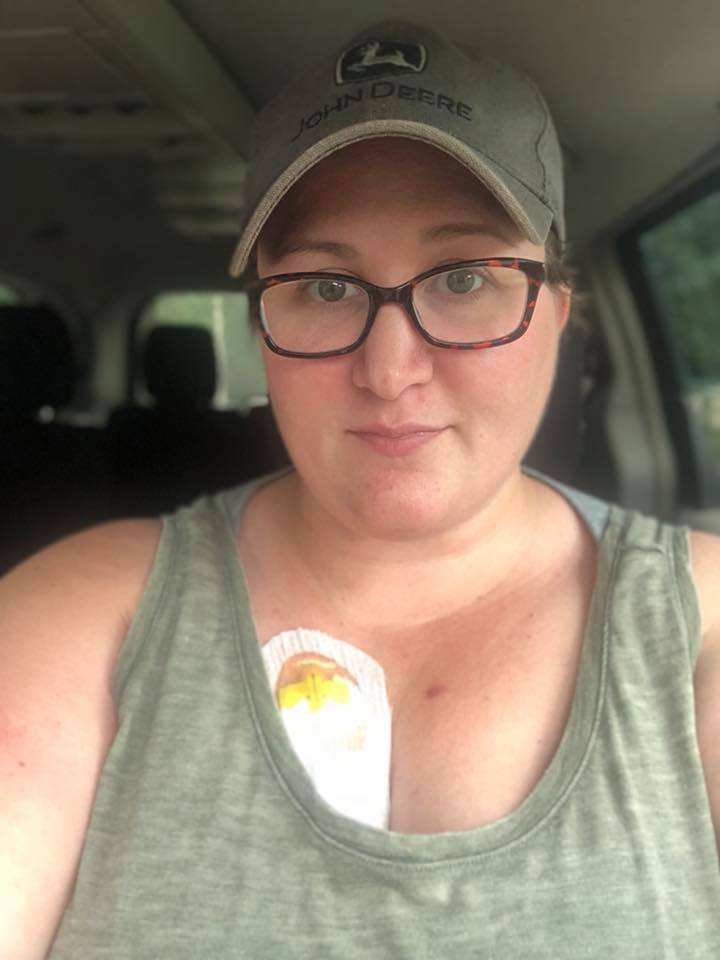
(207, 840)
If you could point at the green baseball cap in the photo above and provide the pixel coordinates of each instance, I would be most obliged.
(402, 80)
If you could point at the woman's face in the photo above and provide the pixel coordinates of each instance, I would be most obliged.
(400, 439)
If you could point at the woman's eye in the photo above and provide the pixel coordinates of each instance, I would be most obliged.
(329, 290)
(462, 281)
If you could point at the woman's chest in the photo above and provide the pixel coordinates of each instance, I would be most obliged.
(472, 736)
(478, 707)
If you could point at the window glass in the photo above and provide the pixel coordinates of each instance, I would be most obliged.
(240, 375)
(682, 264)
(8, 296)
(677, 258)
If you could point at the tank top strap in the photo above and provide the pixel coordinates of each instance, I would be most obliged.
(653, 573)
(192, 576)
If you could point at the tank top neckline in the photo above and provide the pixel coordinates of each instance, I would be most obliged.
(417, 849)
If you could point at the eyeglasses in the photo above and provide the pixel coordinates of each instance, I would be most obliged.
(468, 305)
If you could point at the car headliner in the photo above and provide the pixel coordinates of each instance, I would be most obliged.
(633, 86)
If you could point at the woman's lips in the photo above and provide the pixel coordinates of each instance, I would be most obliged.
(399, 440)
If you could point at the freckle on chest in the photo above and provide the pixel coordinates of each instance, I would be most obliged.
(435, 690)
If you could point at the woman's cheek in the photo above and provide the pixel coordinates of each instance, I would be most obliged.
(306, 398)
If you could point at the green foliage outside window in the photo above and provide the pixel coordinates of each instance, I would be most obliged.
(8, 296)
(682, 262)
(681, 259)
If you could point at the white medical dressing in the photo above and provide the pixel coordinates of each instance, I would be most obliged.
(333, 701)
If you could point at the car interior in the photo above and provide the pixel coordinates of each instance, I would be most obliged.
(130, 381)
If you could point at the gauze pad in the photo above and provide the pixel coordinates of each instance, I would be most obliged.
(333, 701)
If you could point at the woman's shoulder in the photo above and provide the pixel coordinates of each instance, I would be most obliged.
(705, 559)
(705, 563)
(97, 550)
(64, 613)
(90, 577)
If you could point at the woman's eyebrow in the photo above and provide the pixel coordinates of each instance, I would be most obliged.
(446, 231)
(288, 245)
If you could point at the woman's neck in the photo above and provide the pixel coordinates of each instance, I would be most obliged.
(487, 555)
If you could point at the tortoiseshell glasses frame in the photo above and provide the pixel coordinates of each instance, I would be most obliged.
(534, 271)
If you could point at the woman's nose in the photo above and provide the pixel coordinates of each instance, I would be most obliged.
(394, 356)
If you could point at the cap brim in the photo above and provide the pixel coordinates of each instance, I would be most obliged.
(532, 217)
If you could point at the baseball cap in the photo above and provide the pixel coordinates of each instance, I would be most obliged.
(397, 79)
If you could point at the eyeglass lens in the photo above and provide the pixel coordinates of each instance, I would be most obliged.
(464, 305)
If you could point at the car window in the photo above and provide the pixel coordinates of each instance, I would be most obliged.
(8, 295)
(677, 256)
(240, 375)
(682, 262)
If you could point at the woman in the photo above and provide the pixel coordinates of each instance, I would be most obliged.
(500, 669)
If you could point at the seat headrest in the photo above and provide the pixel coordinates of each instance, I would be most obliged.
(36, 361)
(179, 366)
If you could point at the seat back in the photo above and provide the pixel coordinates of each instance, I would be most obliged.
(52, 475)
(180, 448)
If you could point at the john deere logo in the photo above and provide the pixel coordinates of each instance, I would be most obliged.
(379, 58)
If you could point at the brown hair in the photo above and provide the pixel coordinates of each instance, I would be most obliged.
(560, 271)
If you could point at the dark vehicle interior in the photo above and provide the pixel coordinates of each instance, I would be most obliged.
(129, 380)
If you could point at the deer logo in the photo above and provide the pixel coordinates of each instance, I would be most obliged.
(374, 58)
(371, 58)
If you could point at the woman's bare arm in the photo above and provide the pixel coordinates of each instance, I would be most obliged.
(706, 567)
(63, 616)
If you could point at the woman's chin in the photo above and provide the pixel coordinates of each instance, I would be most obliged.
(399, 505)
